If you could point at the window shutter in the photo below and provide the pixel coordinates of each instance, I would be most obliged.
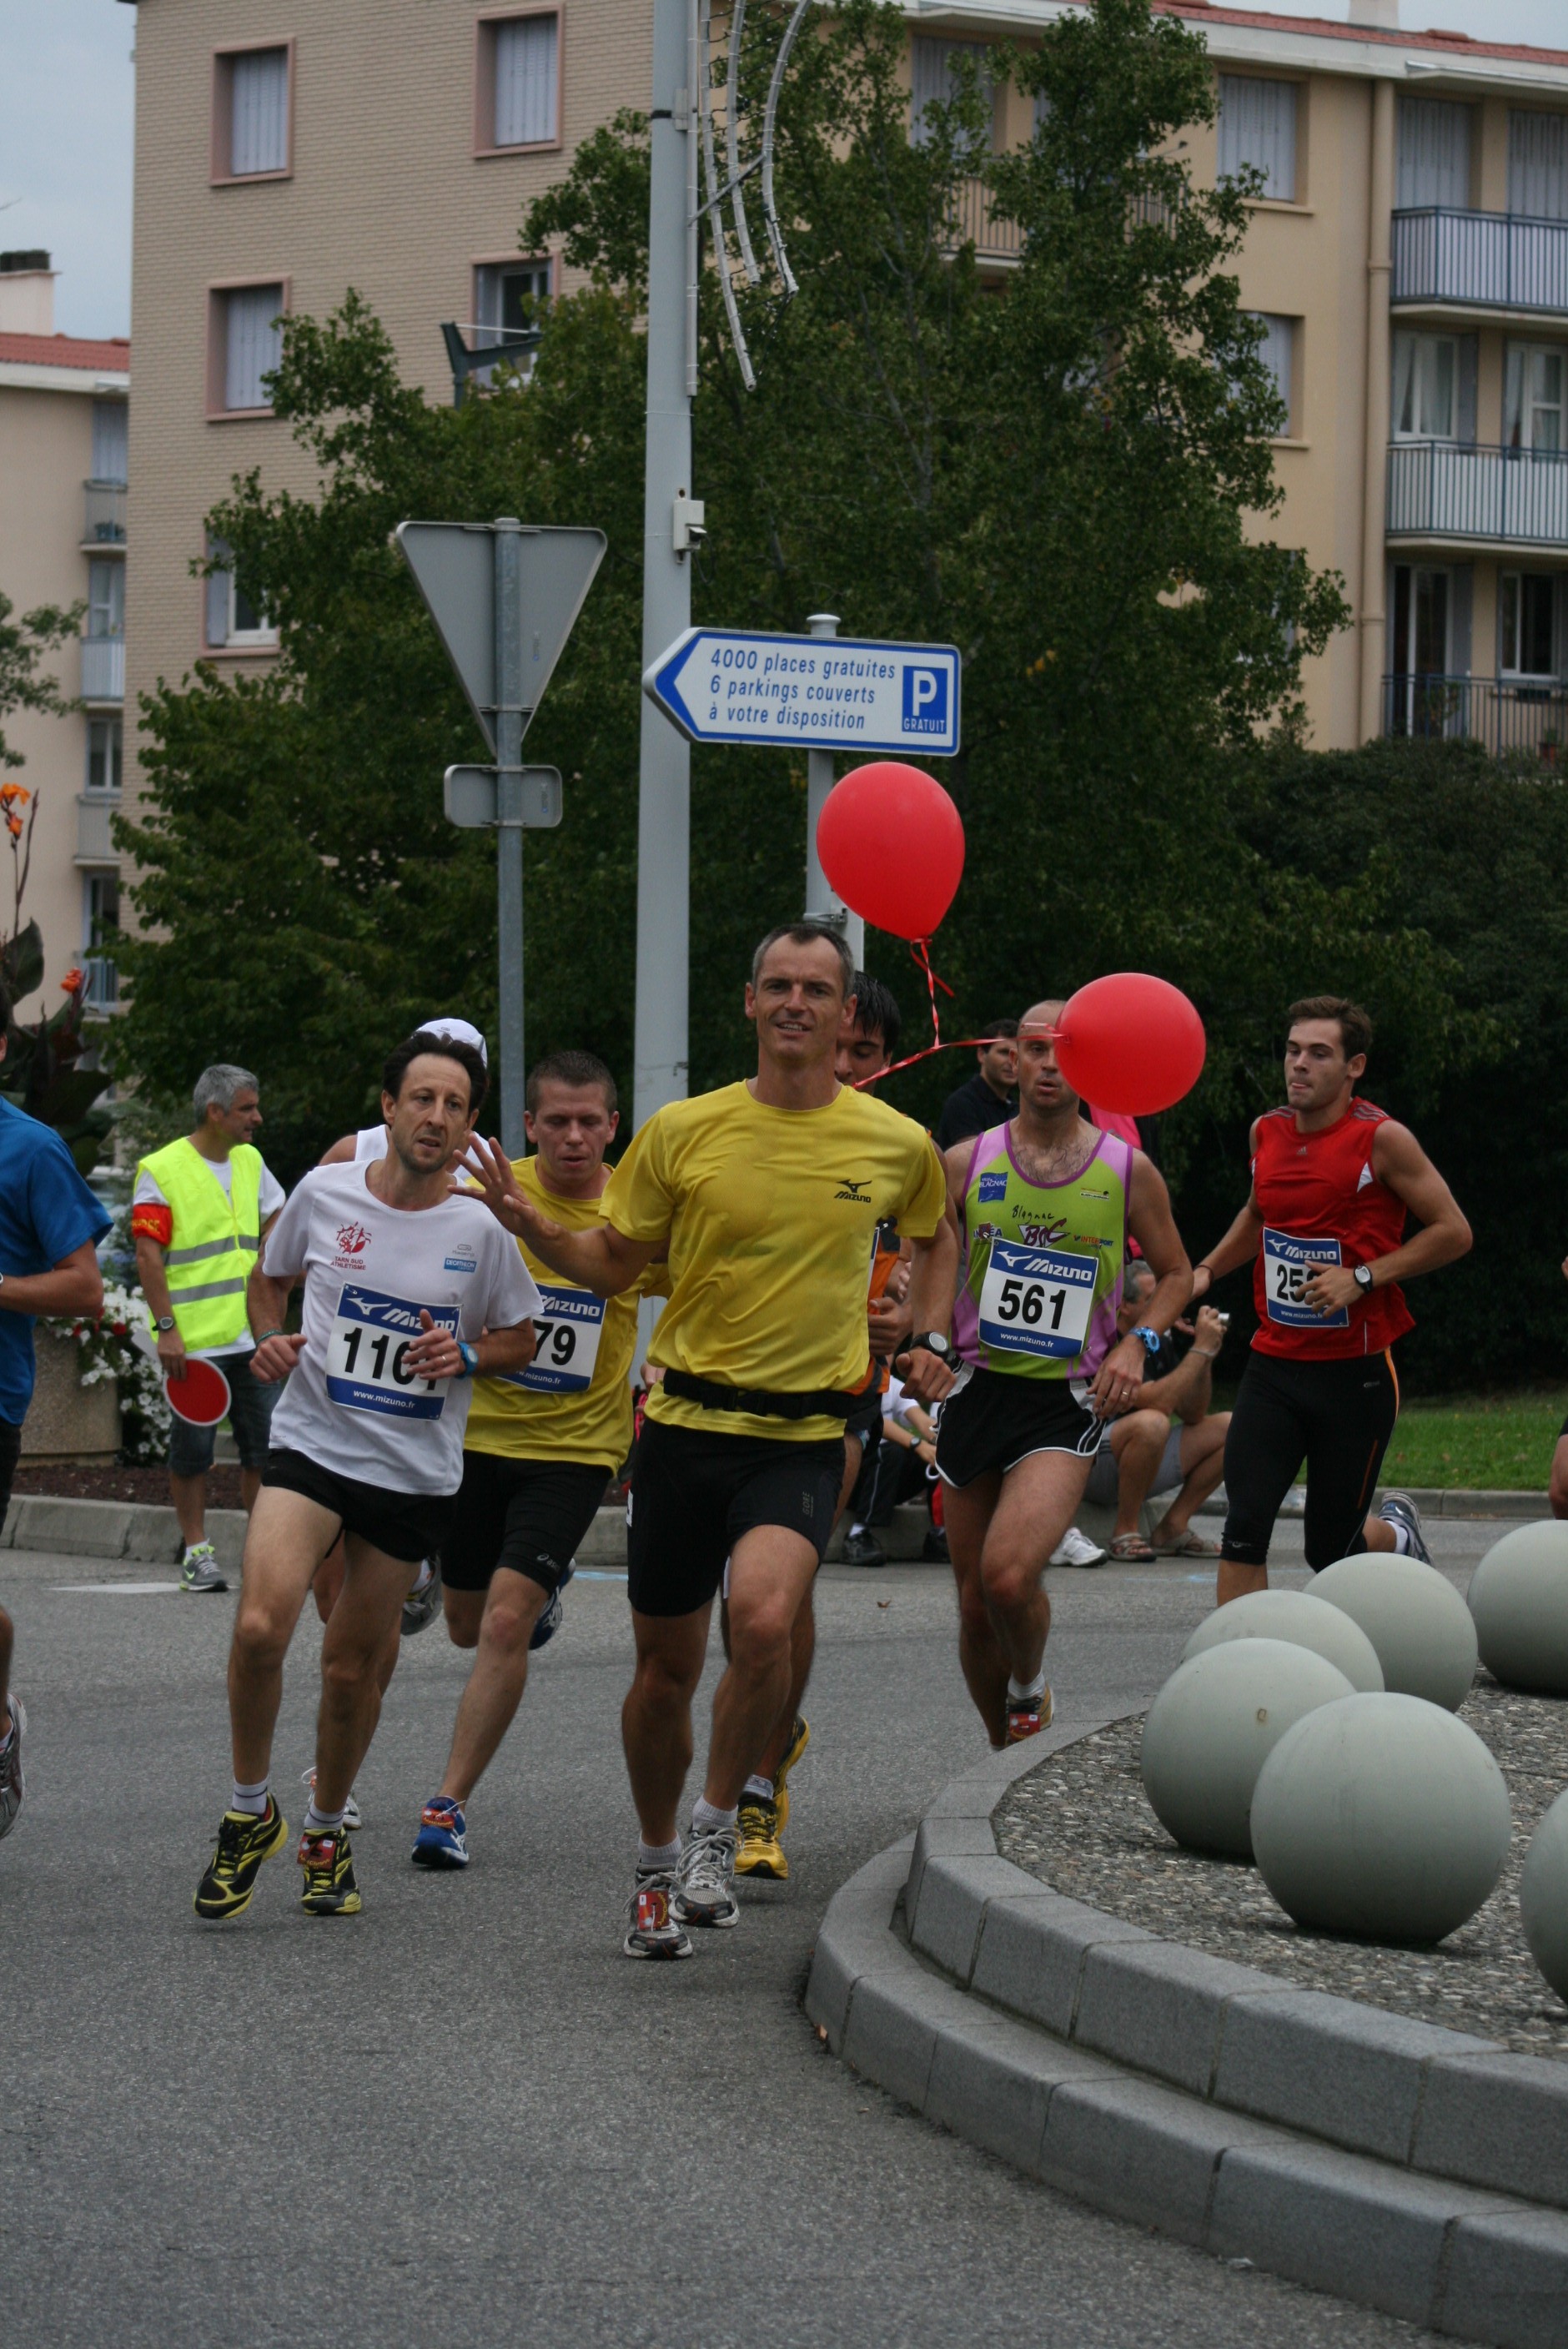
(525, 69)
(1538, 165)
(1257, 131)
(259, 123)
(934, 82)
(1469, 362)
(217, 589)
(1461, 600)
(1434, 154)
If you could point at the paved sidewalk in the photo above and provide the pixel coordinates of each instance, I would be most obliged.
(462, 2117)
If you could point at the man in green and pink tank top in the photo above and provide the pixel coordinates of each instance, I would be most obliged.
(1044, 1205)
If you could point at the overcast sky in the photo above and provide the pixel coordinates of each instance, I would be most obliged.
(65, 113)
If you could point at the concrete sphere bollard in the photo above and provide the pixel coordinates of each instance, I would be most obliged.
(1215, 1724)
(1519, 1597)
(1381, 1816)
(1543, 1896)
(1415, 1619)
(1303, 1621)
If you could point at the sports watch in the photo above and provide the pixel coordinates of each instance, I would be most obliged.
(164, 1323)
(1361, 1276)
(933, 1342)
(1153, 1340)
(469, 1359)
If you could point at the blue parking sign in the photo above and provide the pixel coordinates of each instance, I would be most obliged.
(924, 699)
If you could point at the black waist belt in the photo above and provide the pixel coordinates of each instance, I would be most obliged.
(761, 1401)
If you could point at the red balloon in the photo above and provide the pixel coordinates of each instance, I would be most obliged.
(1131, 1043)
(892, 845)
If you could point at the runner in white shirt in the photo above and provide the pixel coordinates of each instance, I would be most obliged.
(410, 1287)
(370, 1142)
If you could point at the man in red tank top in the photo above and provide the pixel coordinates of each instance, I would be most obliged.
(1333, 1182)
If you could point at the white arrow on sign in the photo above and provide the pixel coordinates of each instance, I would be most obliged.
(453, 564)
(811, 693)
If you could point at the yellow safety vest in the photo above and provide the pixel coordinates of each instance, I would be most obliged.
(215, 1240)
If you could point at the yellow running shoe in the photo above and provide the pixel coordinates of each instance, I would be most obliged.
(330, 1889)
(799, 1738)
(244, 1842)
(760, 1852)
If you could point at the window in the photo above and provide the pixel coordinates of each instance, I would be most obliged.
(104, 743)
(933, 81)
(1277, 352)
(1527, 614)
(110, 417)
(1538, 165)
(1434, 165)
(507, 296)
(1257, 133)
(101, 928)
(1421, 621)
(518, 99)
(247, 344)
(1426, 371)
(1533, 397)
(253, 93)
(106, 597)
(235, 620)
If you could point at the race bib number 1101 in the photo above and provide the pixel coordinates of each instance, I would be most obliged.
(368, 1355)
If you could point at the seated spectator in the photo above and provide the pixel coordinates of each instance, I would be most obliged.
(1143, 1453)
(989, 1096)
(900, 1473)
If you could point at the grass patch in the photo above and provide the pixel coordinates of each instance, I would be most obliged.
(1505, 1441)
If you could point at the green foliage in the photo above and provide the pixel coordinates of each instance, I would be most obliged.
(25, 643)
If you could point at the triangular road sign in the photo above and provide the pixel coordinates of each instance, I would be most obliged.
(453, 564)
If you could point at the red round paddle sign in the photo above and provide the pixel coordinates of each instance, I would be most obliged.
(201, 1396)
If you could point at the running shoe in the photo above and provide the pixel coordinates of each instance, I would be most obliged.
(1028, 1715)
(653, 1927)
(352, 1816)
(859, 1549)
(199, 1569)
(1399, 1509)
(11, 1767)
(422, 1605)
(1076, 1548)
(705, 1878)
(443, 1838)
(244, 1842)
(761, 1853)
(799, 1738)
(328, 1860)
(549, 1623)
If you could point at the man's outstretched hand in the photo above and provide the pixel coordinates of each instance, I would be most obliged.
(490, 1168)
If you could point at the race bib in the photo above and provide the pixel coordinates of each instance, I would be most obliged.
(368, 1355)
(1036, 1300)
(1287, 1262)
(569, 1330)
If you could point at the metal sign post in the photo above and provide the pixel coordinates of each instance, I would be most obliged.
(822, 903)
(504, 596)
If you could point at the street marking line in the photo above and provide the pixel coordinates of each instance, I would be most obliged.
(130, 1589)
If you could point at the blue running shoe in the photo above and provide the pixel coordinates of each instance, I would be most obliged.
(1399, 1509)
(443, 1838)
(549, 1623)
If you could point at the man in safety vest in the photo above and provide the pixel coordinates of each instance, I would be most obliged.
(200, 1211)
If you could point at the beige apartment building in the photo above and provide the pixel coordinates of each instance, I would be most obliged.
(63, 416)
(1408, 257)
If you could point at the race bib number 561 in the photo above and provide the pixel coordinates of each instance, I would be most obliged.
(368, 1355)
(1289, 1262)
(1036, 1300)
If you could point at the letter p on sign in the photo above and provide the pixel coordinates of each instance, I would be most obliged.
(924, 701)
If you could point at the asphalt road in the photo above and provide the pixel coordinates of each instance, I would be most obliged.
(463, 2117)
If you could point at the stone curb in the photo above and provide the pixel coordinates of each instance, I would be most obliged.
(1459, 2258)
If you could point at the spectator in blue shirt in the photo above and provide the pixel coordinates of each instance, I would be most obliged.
(50, 1226)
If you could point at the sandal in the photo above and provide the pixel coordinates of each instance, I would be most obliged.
(1186, 1545)
(1132, 1549)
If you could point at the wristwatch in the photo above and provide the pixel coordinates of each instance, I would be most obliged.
(1153, 1340)
(164, 1323)
(1361, 1276)
(469, 1359)
(933, 1342)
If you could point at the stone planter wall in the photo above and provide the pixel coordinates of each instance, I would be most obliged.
(67, 1421)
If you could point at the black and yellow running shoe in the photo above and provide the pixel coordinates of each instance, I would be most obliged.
(761, 1853)
(328, 1860)
(799, 1738)
(244, 1842)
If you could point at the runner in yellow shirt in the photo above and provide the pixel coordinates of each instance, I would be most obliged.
(765, 1196)
(539, 1449)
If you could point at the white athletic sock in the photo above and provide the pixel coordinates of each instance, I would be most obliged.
(250, 1798)
(858, 1533)
(321, 1822)
(1018, 1690)
(656, 1855)
(706, 1819)
(757, 1786)
(1401, 1539)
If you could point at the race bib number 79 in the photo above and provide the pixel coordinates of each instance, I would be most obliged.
(1036, 1300)
(1289, 1261)
(368, 1355)
(568, 1331)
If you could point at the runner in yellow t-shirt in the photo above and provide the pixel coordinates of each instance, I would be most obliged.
(765, 1196)
(539, 1449)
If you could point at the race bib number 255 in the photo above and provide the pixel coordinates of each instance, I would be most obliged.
(368, 1355)
(1289, 1262)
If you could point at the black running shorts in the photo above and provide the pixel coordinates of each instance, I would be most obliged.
(528, 1514)
(411, 1525)
(693, 1494)
(1338, 1416)
(996, 1420)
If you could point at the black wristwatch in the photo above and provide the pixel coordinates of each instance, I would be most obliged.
(933, 1342)
(1361, 1276)
(164, 1323)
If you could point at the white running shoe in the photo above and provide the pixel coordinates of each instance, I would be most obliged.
(11, 1767)
(351, 1817)
(1077, 1549)
(705, 1878)
(653, 1927)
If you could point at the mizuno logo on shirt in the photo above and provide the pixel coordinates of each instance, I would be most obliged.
(856, 1187)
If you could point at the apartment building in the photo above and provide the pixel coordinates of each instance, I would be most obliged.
(63, 404)
(1408, 256)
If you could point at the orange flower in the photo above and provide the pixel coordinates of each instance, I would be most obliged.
(14, 826)
(72, 982)
(13, 792)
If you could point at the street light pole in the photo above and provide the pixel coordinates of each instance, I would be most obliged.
(509, 729)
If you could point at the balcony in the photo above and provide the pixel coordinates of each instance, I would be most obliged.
(95, 812)
(971, 222)
(101, 992)
(1481, 261)
(103, 517)
(1503, 713)
(1500, 497)
(103, 668)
